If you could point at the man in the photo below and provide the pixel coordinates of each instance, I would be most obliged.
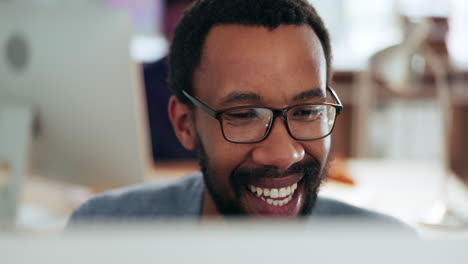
(252, 97)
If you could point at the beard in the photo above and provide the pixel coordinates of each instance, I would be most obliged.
(313, 175)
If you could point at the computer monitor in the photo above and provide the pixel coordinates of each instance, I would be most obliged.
(330, 240)
(70, 63)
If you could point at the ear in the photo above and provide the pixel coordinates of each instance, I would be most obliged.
(182, 123)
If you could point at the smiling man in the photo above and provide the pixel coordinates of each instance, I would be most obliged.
(252, 97)
(264, 150)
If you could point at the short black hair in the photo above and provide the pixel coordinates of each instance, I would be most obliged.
(190, 34)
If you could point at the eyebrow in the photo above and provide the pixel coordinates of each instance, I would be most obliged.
(249, 97)
(309, 94)
(240, 97)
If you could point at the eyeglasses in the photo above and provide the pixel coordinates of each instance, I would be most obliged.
(252, 124)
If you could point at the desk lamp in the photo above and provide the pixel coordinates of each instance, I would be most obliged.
(394, 67)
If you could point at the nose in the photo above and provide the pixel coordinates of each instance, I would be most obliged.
(279, 149)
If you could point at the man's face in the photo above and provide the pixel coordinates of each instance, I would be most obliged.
(247, 65)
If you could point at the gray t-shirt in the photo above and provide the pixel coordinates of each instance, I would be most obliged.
(183, 199)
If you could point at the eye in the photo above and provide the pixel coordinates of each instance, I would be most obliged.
(241, 114)
(306, 113)
(246, 117)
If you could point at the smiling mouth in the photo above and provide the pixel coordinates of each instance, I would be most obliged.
(277, 197)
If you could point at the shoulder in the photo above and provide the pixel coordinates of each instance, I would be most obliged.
(180, 198)
(332, 208)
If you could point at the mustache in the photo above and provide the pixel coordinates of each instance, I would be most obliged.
(309, 168)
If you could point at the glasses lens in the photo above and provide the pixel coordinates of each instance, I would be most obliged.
(246, 124)
(311, 121)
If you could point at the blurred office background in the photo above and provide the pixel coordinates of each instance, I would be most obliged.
(389, 146)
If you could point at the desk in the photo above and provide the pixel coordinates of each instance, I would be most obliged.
(403, 189)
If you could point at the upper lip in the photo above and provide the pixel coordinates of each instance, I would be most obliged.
(277, 182)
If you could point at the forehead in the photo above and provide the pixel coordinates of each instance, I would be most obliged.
(276, 65)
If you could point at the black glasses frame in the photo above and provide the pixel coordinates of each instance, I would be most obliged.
(276, 112)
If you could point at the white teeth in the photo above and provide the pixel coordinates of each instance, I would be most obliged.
(259, 191)
(274, 193)
(278, 203)
(282, 192)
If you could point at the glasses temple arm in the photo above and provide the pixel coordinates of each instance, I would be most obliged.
(337, 99)
(200, 104)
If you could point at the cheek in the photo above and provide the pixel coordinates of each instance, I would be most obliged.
(318, 149)
(222, 156)
(209, 132)
(219, 150)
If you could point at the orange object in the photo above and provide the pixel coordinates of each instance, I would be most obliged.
(338, 172)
